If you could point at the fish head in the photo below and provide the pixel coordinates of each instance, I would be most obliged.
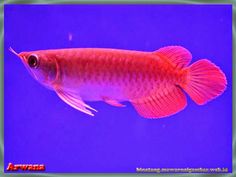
(42, 66)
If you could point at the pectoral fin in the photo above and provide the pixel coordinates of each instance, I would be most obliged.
(112, 102)
(76, 102)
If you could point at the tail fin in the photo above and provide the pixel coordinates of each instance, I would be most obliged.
(205, 81)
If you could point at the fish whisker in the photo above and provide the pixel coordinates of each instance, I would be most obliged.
(13, 51)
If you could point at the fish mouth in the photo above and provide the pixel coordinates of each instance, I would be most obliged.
(24, 60)
(20, 55)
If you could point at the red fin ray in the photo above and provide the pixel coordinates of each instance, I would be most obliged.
(177, 55)
(75, 101)
(205, 81)
(162, 104)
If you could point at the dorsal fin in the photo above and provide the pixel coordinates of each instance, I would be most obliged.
(178, 55)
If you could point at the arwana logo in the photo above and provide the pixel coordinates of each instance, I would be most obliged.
(25, 167)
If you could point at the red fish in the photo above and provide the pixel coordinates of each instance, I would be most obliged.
(154, 82)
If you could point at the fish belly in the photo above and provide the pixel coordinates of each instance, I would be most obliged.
(93, 92)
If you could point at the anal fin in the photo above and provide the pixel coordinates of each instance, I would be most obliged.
(76, 102)
(162, 104)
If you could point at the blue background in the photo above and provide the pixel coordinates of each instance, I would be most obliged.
(40, 128)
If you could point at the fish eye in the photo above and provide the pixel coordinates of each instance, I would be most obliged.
(33, 61)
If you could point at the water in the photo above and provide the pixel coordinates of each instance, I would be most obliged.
(42, 129)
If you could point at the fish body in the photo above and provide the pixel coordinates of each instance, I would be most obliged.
(152, 81)
(117, 74)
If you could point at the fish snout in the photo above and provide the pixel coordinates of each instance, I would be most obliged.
(21, 55)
